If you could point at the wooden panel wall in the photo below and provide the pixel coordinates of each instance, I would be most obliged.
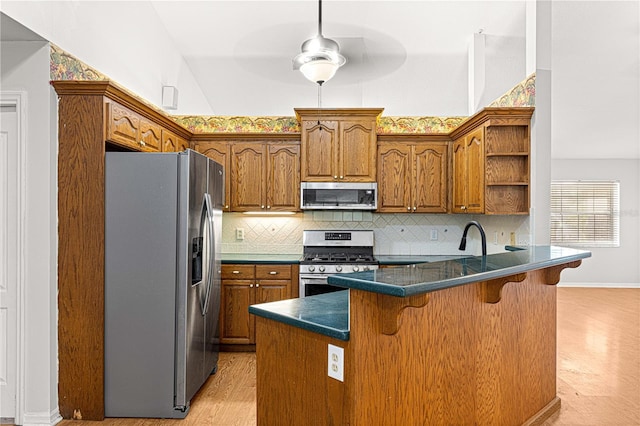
(458, 359)
(81, 257)
(482, 354)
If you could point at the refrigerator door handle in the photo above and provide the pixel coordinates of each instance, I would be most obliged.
(210, 251)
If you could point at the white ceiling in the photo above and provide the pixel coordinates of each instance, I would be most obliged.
(259, 38)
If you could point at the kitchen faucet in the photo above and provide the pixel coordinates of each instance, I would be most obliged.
(463, 242)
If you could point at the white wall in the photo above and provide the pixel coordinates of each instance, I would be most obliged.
(595, 129)
(25, 67)
(123, 40)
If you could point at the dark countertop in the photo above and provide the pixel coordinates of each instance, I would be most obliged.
(326, 314)
(412, 259)
(428, 277)
(260, 258)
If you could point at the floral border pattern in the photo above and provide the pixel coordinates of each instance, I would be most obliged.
(388, 125)
(220, 124)
(64, 66)
(522, 95)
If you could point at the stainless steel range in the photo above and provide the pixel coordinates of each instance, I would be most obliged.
(328, 252)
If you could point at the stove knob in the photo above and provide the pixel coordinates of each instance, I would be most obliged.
(321, 269)
(339, 268)
(312, 268)
(356, 268)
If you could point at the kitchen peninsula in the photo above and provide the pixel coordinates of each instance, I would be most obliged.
(461, 341)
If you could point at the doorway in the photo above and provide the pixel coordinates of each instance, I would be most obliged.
(11, 229)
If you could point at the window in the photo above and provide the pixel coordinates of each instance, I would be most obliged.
(585, 213)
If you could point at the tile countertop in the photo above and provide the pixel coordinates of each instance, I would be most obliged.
(328, 314)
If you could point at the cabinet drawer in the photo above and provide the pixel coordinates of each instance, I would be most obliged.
(238, 272)
(273, 272)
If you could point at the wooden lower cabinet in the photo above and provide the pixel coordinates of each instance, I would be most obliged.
(244, 285)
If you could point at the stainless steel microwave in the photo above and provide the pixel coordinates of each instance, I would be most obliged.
(338, 195)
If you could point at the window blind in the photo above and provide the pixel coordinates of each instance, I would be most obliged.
(585, 213)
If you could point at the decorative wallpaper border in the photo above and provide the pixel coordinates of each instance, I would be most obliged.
(64, 66)
(222, 124)
(522, 95)
(418, 124)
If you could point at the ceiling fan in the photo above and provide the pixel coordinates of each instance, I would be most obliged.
(320, 57)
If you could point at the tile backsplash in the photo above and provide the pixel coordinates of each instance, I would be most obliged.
(395, 234)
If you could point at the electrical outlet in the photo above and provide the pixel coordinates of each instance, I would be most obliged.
(434, 235)
(239, 233)
(495, 237)
(512, 239)
(335, 365)
(523, 239)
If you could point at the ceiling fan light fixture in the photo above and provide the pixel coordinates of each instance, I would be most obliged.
(320, 57)
(319, 70)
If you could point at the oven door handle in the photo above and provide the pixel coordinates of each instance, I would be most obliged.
(314, 279)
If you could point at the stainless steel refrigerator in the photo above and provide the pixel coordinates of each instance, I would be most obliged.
(163, 228)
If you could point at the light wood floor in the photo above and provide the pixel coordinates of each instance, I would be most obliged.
(598, 369)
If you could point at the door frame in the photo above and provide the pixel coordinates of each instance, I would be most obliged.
(18, 99)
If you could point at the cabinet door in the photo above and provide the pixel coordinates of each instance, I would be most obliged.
(357, 151)
(219, 152)
(172, 142)
(283, 177)
(272, 290)
(430, 164)
(474, 151)
(150, 135)
(319, 151)
(236, 324)
(394, 177)
(459, 176)
(248, 188)
(123, 126)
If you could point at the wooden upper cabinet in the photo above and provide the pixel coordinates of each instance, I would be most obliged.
(491, 172)
(319, 151)
(131, 130)
(265, 176)
(283, 177)
(172, 142)
(430, 171)
(357, 151)
(338, 144)
(412, 177)
(468, 173)
(394, 177)
(219, 152)
(248, 177)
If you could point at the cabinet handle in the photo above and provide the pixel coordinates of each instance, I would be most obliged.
(250, 285)
(268, 207)
(273, 273)
(235, 272)
(335, 177)
(262, 207)
(463, 208)
(257, 285)
(414, 208)
(409, 208)
(142, 143)
(341, 177)
(226, 206)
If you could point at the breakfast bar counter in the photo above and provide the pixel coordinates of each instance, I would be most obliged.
(462, 341)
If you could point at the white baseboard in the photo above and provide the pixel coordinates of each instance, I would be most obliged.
(600, 285)
(42, 419)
